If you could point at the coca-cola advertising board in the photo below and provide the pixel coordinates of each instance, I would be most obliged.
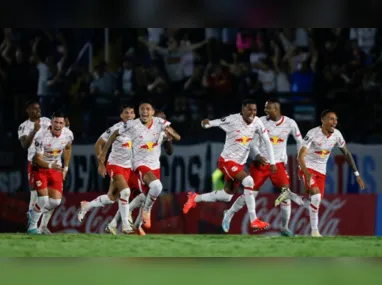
(339, 215)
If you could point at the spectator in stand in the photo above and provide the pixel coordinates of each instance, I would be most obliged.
(104, 82)
(365, 38)
(267, 76)
(125, 84)
(302, 79)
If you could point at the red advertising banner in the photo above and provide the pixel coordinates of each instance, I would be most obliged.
(351, 214)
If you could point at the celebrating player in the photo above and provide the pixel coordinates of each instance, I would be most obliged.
(135, 184)
(312, 158)
(279, 128)
(118, 168)
(48, 174)
(240, 130)
(145, 133)
(26, 132)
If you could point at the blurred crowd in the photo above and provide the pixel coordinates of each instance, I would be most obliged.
(188, 73)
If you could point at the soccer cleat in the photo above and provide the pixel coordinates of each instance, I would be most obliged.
(34, 231)
(190, 202)
(284, 195)
(128, 232)
(82, 212)
(110, 229)
(226, 222)
(286, 233)
(29, 216)
(258, 225)
(146, 220)
(45, 231)
(139, 231)
(316, 233)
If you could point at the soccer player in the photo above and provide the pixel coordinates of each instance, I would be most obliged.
(118, 167)
(48, 174)
(240, 129)
(145, 133)
(312, 158)
(26, 133)
(135, 184)
(279, 128)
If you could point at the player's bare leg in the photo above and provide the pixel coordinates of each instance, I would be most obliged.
(155, 189)
(42, 201)
(224, 195)
(55, 198)
(314, 206)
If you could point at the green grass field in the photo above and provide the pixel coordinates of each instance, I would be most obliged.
(85, 245)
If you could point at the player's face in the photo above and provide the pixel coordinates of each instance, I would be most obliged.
(270, 110)
(146, 112)
(329, 122)
(249, 112)
(34, 111)
(128, 114)
(58, 123)
(161, 115)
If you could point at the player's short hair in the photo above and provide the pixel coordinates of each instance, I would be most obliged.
(248, 102)
(274, 100)
(59, 114)
(30, 102)
(327, 111)
(126, 106)
(146, 102)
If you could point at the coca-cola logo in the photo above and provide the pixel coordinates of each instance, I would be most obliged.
(299, 223)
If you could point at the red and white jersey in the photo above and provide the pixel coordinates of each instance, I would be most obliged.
(27, 127)
(320, 147)
(51, 146)
(146, 141)
(239, 134)
(278, 133)
(121, 149)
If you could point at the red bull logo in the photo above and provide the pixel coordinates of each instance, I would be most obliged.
(276, 140)
(149, 146)
(243, 140)
(54, 152)
(322, 153)
(127, 145)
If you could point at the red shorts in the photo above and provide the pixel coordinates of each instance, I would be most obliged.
(48, 178)
(318, 180)
(230, 169)
(262, 172)
(136, 184)
(113, 170)
(30, 175)
(142, 170)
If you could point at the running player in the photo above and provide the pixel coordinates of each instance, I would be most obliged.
(279, 128)
(312, 158)
(26, 132)
(48, 174)
(145, 133)
(240, 130)
(118, 167)
(136, 185)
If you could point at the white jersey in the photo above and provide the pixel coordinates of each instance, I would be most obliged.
(320, 147)
(278, 133)
(121, 149)
(239, 134)
(27, 127)
(146, 141)
(51, 146)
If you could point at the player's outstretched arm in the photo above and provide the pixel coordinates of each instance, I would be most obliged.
(350, 160)
(171, 132)
(102, 157)
(67, 157)
(99, 146)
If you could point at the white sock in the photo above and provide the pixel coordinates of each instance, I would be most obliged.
(100, 201)
(295, 198)
(236, 206)
(155, 190)
(37, 211)
(250, 201)
(286, 209)
(137, 202)
(48, 211)
(218, 195)
(314, 206)
(123, 204)
(114, 221)
(33, 199)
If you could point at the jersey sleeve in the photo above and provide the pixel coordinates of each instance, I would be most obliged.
(125, 128)
(260, 128)
(340, 140)
(308, 139)
(223, 123)
(71, 136)
(39, 143)
(296, 135)
(163, 123)
(22, 131)
(107, 134)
